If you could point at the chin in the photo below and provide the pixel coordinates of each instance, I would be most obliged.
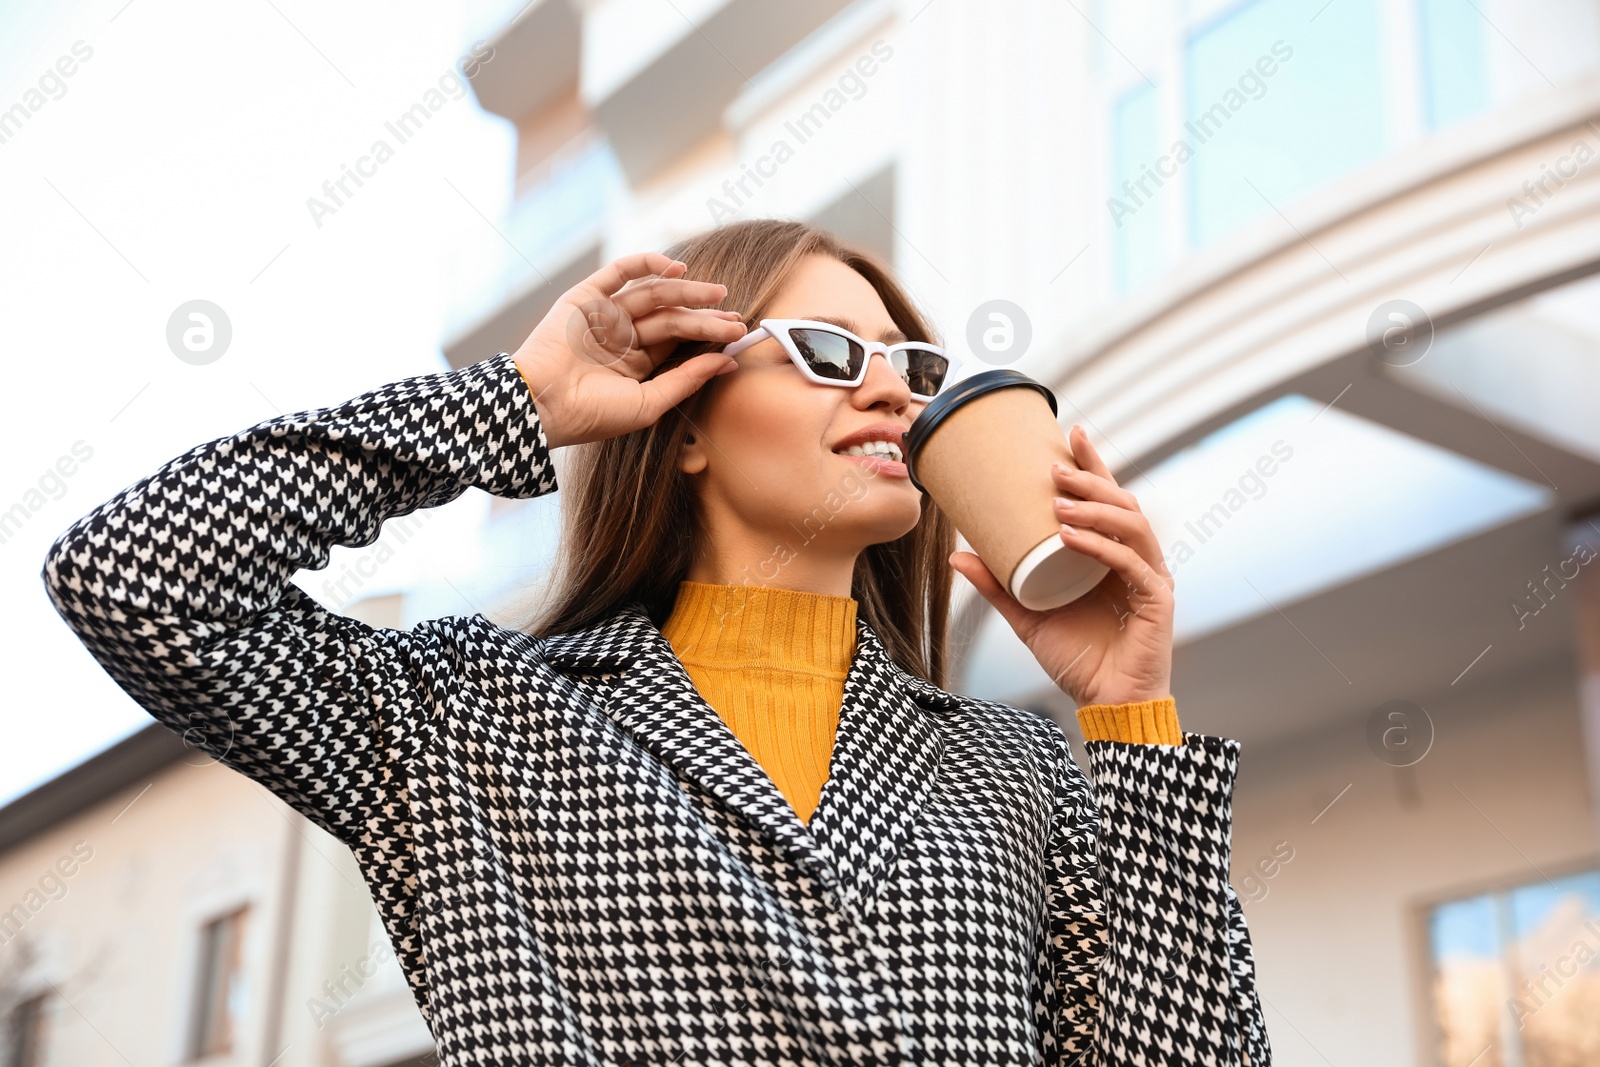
(879, 514)
(890, 527)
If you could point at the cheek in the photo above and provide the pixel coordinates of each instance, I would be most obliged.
(778, 426)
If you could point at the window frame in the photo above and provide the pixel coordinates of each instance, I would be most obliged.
(208, 1003)
(1429, 1035)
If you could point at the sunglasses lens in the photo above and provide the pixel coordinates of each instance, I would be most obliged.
(922, 369)
(835, 356)
(830, 355)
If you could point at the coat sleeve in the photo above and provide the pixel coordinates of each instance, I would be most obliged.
(1145, 957)
(180, 584)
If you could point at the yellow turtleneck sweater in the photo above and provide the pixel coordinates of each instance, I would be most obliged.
(772, 663)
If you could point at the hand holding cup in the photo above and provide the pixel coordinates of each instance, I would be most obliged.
(1113, 645)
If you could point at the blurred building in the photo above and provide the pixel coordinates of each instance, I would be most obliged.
(162, 908)
(1322, 280)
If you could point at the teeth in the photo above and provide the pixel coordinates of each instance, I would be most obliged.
(886, 449)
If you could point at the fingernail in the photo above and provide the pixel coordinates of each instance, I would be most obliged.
(733, 364)
(1069, 529)
(1063, 502)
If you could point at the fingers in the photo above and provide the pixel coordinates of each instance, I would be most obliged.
(1091, 486)
(1085, 455)
(1151, 584)
(684, 324)
(971, 566)
(1111, 512)
(644, 297)
(673, 387)
(601, 333)
(614, 275)
(1131, 528)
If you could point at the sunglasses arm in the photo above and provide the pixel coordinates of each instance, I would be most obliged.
(753, 337)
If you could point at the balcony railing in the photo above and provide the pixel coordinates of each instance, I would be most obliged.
(556, 218)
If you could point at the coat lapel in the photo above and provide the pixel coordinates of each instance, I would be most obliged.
(655, 701)
(884, 764)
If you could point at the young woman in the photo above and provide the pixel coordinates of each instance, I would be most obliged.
(715, 807)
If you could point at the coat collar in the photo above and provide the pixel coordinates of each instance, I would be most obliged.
(885, 757)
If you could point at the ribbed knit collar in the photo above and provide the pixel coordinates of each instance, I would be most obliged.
(726, 625)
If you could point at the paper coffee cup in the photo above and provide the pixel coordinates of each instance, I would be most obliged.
(983, 450)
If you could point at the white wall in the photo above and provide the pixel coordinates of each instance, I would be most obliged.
(120, 940)
(120, 943)
(1340, 949)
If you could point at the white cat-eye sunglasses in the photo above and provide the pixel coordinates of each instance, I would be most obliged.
(831, 355)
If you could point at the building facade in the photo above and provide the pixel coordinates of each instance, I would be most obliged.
(1319, 279)
(159, 907)
(1322, 280)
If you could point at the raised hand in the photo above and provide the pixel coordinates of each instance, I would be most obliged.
(588, 359)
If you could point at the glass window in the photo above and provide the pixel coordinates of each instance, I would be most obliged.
(1279, 97)
(1137, 205)
(570, 198)
(1454, 66)
(219, 998)
(552, 223)
(1516, 975)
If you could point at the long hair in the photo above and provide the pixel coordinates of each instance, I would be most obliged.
(629, 521)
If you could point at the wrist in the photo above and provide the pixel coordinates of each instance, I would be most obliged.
(537, 387)
(1119, 698)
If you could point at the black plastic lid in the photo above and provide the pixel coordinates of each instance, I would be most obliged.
(969, 388)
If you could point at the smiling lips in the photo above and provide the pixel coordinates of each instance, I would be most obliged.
(883, 465)
(886, 449)
(877, 448)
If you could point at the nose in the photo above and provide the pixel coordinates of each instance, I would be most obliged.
(882, 385)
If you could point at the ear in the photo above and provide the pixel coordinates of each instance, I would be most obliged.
(692, 455)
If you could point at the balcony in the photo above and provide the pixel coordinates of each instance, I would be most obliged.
(657, 77)
(535, 56)
(548, 241)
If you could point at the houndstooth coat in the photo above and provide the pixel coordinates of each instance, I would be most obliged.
(576, 860)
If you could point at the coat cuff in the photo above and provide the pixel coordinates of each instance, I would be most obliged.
(1143, 722)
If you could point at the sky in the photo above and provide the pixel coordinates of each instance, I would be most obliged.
(173, 164)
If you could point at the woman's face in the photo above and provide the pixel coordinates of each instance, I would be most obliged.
(765, 455)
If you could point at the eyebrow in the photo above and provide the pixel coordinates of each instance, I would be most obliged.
(890, 336)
